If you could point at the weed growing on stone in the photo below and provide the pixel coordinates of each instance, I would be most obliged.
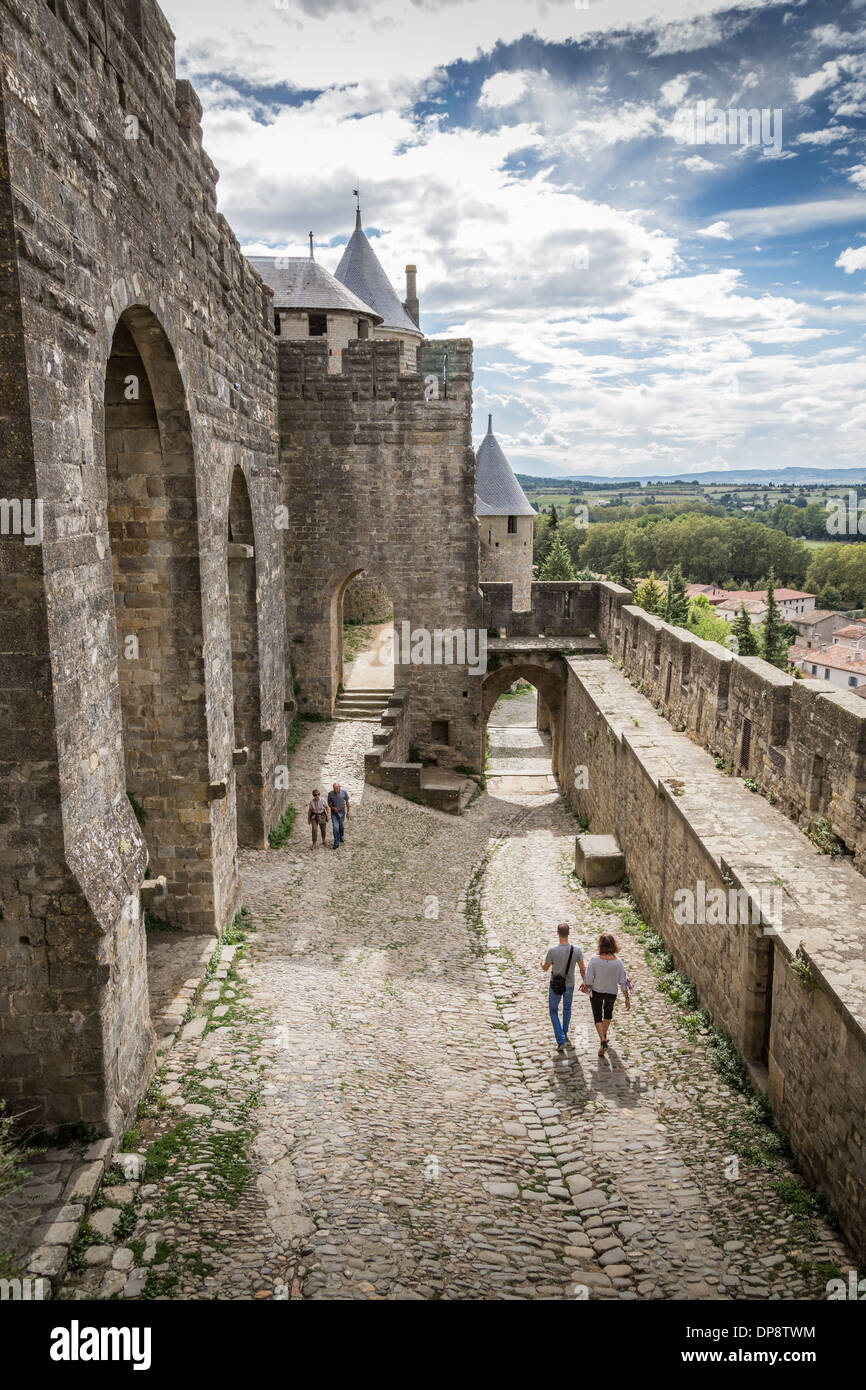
(279, 834)
(822, 837)
(804, 973)
(13, 1169)
(86, 1237)
(294, 737)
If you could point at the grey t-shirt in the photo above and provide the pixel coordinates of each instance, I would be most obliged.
(338, 801)
(556, 958)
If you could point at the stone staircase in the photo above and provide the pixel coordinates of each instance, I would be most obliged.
(362, 704)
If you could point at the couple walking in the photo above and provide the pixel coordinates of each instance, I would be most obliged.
(602, 979)
(335, 809)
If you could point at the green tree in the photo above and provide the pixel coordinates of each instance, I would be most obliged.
(747, 637)
(677, 606)
(774, 639)
(705, 622)
(650, 595)
(557, 564)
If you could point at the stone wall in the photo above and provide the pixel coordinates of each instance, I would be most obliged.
(801, 741)
(138, 376)
(379, 477)
(366, 600)
(683, 823)
(556, 608)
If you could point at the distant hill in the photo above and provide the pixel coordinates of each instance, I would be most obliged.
(734, 475)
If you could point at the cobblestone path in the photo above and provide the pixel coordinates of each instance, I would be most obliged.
(369, 1103)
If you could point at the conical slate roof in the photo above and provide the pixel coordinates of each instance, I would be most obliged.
(495, 484)
(299, 282)
(359, 270)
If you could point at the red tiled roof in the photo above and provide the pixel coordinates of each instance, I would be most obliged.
(782, 595)
(839, 658)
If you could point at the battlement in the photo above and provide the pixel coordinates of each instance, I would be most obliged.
(557, 609)
(370, 370)
(803, 743)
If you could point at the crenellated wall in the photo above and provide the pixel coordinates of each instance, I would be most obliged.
(801, 741)
(556, 608)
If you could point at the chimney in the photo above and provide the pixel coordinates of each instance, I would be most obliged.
(411, 303)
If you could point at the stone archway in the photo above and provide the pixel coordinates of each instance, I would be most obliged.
(153, 530)
(548, 677)
(246, 677)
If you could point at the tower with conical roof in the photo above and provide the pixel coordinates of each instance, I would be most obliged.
(361, 272)
(505, 521)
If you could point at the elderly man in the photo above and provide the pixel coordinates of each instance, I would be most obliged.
(338, 803)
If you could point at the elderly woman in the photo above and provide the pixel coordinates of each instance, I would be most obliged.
(605, 976)
(317, 816)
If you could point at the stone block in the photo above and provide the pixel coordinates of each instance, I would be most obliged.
(598, 860)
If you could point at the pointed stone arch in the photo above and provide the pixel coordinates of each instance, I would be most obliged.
(152, 509)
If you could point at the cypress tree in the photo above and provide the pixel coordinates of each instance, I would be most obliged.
(677, 606)
(774, 639)
(742, 629)
(623, 567)
(650, 596)
(557, 563)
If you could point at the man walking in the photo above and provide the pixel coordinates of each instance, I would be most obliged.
(562, 959)
(338, 802)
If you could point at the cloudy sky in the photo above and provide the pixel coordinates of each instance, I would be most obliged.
(641, 300)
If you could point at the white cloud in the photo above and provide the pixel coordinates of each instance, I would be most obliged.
(503, 89)
(696, 164)
(828, 136)
(852, 259)
(857, 175)
(672, 92)
(806, 87)
(716, 229)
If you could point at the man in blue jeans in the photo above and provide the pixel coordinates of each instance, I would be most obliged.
(338, 801)
(562, 959)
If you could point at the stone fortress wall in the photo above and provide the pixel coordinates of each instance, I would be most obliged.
(139, 397)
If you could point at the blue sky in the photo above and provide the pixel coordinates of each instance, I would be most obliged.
(639, 302)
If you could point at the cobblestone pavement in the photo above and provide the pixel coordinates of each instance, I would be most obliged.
(369, 1103)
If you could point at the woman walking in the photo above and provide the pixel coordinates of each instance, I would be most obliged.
(605, 975)
(317, 816)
